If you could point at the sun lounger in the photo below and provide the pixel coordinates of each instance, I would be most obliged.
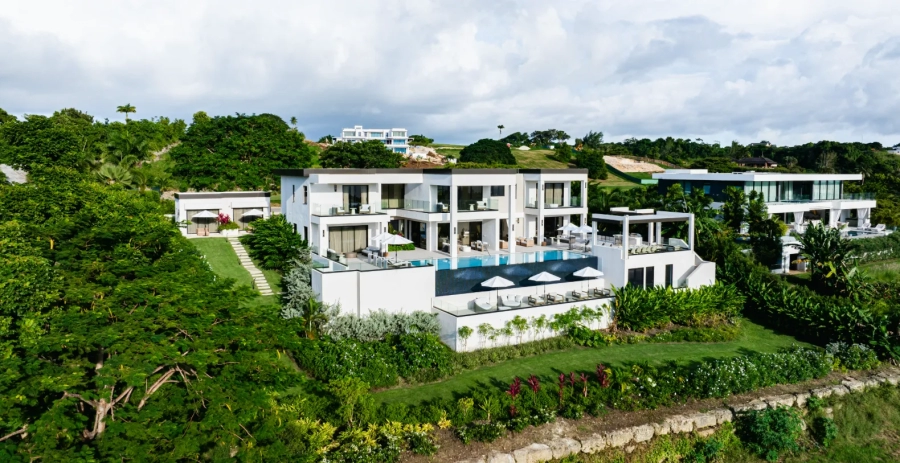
(482, 305)
(511, 301)
(535, 301)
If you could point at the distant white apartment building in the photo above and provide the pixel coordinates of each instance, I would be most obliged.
(396, 139)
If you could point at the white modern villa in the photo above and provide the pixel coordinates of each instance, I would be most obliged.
(487, 244)
(799, 200)
(396, 139)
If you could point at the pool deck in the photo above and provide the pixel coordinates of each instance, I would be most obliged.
(421, 254)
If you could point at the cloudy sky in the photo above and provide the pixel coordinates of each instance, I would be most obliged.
(785, 71)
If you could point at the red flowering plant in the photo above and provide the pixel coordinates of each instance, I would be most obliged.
(584, 382)
(514, 389)
(602, 375)
(223, 218)
(562, 386)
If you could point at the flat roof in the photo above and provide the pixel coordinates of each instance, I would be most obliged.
(451, 171)
(660, 216)
(222, 194)
(703, 174)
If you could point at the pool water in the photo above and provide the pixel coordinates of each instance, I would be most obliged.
(507, 259)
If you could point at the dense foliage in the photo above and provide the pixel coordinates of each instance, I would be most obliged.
(592, 160)
(118, 341)
(238, 152)
(487, 151)
(642, 309)
(369, 154)
(380, 324)
(273, 242)
(771, 432)
(879, 248)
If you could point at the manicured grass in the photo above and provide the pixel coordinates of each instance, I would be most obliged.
(224, 262)
(885, 271)
(275, 199)
(753, 338)
(538, 159)
(614, 181)
(222, 259)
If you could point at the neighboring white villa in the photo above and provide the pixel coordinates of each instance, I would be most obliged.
(396, 139)
(242, 207)
(488, 244)
(797, 199)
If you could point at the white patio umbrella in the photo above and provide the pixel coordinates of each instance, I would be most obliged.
(254, 213)
(588, 272)
(381, 237)
(395, 239)
(497, 283)
(205, 215)
(545, 278)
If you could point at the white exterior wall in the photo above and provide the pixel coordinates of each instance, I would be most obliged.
(359, 293)
(223, 205)
(451, 324)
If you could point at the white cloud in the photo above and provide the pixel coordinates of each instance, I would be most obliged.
(788, 72)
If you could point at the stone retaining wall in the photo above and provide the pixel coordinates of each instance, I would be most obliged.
(702, 423)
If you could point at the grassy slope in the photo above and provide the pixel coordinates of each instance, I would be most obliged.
(224, 262)
(222, 259)
(885, 271)
(753, 338)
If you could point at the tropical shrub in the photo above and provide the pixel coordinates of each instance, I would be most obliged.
(416, 357)
(832, 270)
(297, 289)
(487, 151)
(273, 242)
(853, 356)
(879, 248)
(824, 430)
(591, 338)
(771, 432)
(642, 309)
(484, 357)
(381, 324)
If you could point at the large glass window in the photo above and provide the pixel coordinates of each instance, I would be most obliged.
(468, 197)
(497, 191)
(670, 273)
(575, 194)
(650, 276)
(636, 277)
(444, 237)
(392, 196)
(553, 194)
(443, 195)
(347, 239)
(355, 195)
(469, 232)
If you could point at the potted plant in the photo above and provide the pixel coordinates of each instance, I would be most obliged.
(226, 226)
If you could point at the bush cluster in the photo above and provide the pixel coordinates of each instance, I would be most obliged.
(771, 432)
(852, 356)
(642, 309)
(273, 242)
(530, 400)
(591, 338)
(416, 357)
(380, 324)
(880, 248)
(810, 316)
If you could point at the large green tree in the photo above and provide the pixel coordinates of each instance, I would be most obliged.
(370, 154)
(592, 160)
(734, 209)
(487, 151)
(832, 269)
(118, 342)
(241, 151)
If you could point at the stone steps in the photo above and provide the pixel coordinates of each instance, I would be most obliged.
(259, 280)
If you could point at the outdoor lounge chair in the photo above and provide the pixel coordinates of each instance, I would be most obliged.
(482, 304)
(511, 301)
(880, 227)
(339, 210)
(481, 205)
(553, 297)
(365, 209)
(535, 300)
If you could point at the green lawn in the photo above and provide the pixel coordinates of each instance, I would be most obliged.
(548, 366)
(222, 259)
(538, 159)
(224, 262)
(885, 271)
(275, 199)
(614, 181)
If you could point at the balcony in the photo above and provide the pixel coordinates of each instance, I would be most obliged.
(858, 196)
(573, 202)
(492, 204)
(335, 210)
(409, 205)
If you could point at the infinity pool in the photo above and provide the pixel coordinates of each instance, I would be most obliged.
(507, 259)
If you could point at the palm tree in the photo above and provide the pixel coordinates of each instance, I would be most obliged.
(125, 149)
(294, 122)
(500, 128)
(829, 254)
(127, 108)
(113, 174)
(313, 318)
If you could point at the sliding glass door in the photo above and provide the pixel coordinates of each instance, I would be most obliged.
(347, 239)
(355, 195)
(553, 194)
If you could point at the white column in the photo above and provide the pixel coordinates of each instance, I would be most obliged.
(511, 218)
(659, 239)
(495, 240)
(625, 239)
(539, 225)
(691, 233)
(323, 240)
(651, 239)
(453, 217)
